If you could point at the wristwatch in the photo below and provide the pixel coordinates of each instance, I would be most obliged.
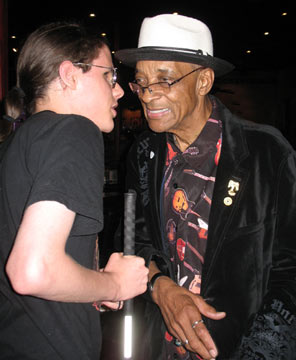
(153, 279)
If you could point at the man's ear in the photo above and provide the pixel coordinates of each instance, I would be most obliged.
(68, 74)
(205, 81)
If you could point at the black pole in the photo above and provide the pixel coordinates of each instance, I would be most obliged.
(129, 222)
(129, 249)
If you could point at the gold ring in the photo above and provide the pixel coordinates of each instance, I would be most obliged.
(196, 323)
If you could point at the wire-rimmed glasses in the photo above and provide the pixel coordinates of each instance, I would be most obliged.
(112, 78)
(158, 86)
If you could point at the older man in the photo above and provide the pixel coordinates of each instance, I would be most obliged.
(217, 207)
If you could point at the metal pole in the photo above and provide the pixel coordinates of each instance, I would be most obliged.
(129, 249)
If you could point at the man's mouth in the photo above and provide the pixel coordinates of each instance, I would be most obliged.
(157, 112)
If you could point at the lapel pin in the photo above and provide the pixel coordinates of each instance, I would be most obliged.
(233, 187)
(227, 201)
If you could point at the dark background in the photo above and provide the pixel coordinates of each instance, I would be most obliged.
(261, 88)
(236, 25)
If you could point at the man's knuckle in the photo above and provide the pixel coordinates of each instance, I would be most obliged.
(195, 343)
(201, 331)
(187, 308)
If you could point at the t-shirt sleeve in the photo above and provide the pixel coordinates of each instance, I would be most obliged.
(66, 162)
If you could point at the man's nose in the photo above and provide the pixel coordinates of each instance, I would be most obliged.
(150, 94)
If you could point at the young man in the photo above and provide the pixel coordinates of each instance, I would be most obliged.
(51, 191)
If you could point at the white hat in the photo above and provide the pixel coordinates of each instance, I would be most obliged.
(171, 37)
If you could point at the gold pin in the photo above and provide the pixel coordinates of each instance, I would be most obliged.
(233, 187)
(227, 201)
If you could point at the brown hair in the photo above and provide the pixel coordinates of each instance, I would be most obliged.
(13, 107)
(43, 52)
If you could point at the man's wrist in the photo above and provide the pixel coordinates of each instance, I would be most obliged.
(153, 280)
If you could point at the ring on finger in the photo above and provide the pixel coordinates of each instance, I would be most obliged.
(119, 305)
(196, 323)
(179, 342)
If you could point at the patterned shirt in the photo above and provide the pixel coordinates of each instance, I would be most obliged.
(187, 195)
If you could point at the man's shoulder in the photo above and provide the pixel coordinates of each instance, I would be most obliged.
(258, 135)
(52, 127)
(255, 134)
(49, 118)
(266, 135)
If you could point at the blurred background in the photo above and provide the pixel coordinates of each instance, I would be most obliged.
(257, 36)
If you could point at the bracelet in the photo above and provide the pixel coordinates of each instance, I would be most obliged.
(153, 279)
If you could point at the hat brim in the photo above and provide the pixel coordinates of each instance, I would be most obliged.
(130, 57)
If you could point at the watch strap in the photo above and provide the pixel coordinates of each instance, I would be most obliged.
(153, 279)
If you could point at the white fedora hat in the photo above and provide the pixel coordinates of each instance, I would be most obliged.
(171, 37)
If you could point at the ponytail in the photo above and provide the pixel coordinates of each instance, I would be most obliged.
(14, 104)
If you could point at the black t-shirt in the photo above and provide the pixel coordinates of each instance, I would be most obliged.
(58, 158)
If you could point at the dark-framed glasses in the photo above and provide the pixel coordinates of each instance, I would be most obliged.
(111, 75)
(163, 86)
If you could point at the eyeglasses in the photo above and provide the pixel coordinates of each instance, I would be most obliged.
(159, 86)
(111, 75)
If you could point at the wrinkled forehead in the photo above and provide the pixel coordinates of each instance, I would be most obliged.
(153, 67)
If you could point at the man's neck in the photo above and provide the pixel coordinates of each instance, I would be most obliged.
(185, 137)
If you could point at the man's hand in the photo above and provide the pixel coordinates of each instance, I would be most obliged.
(181, 309)
(129, 273)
